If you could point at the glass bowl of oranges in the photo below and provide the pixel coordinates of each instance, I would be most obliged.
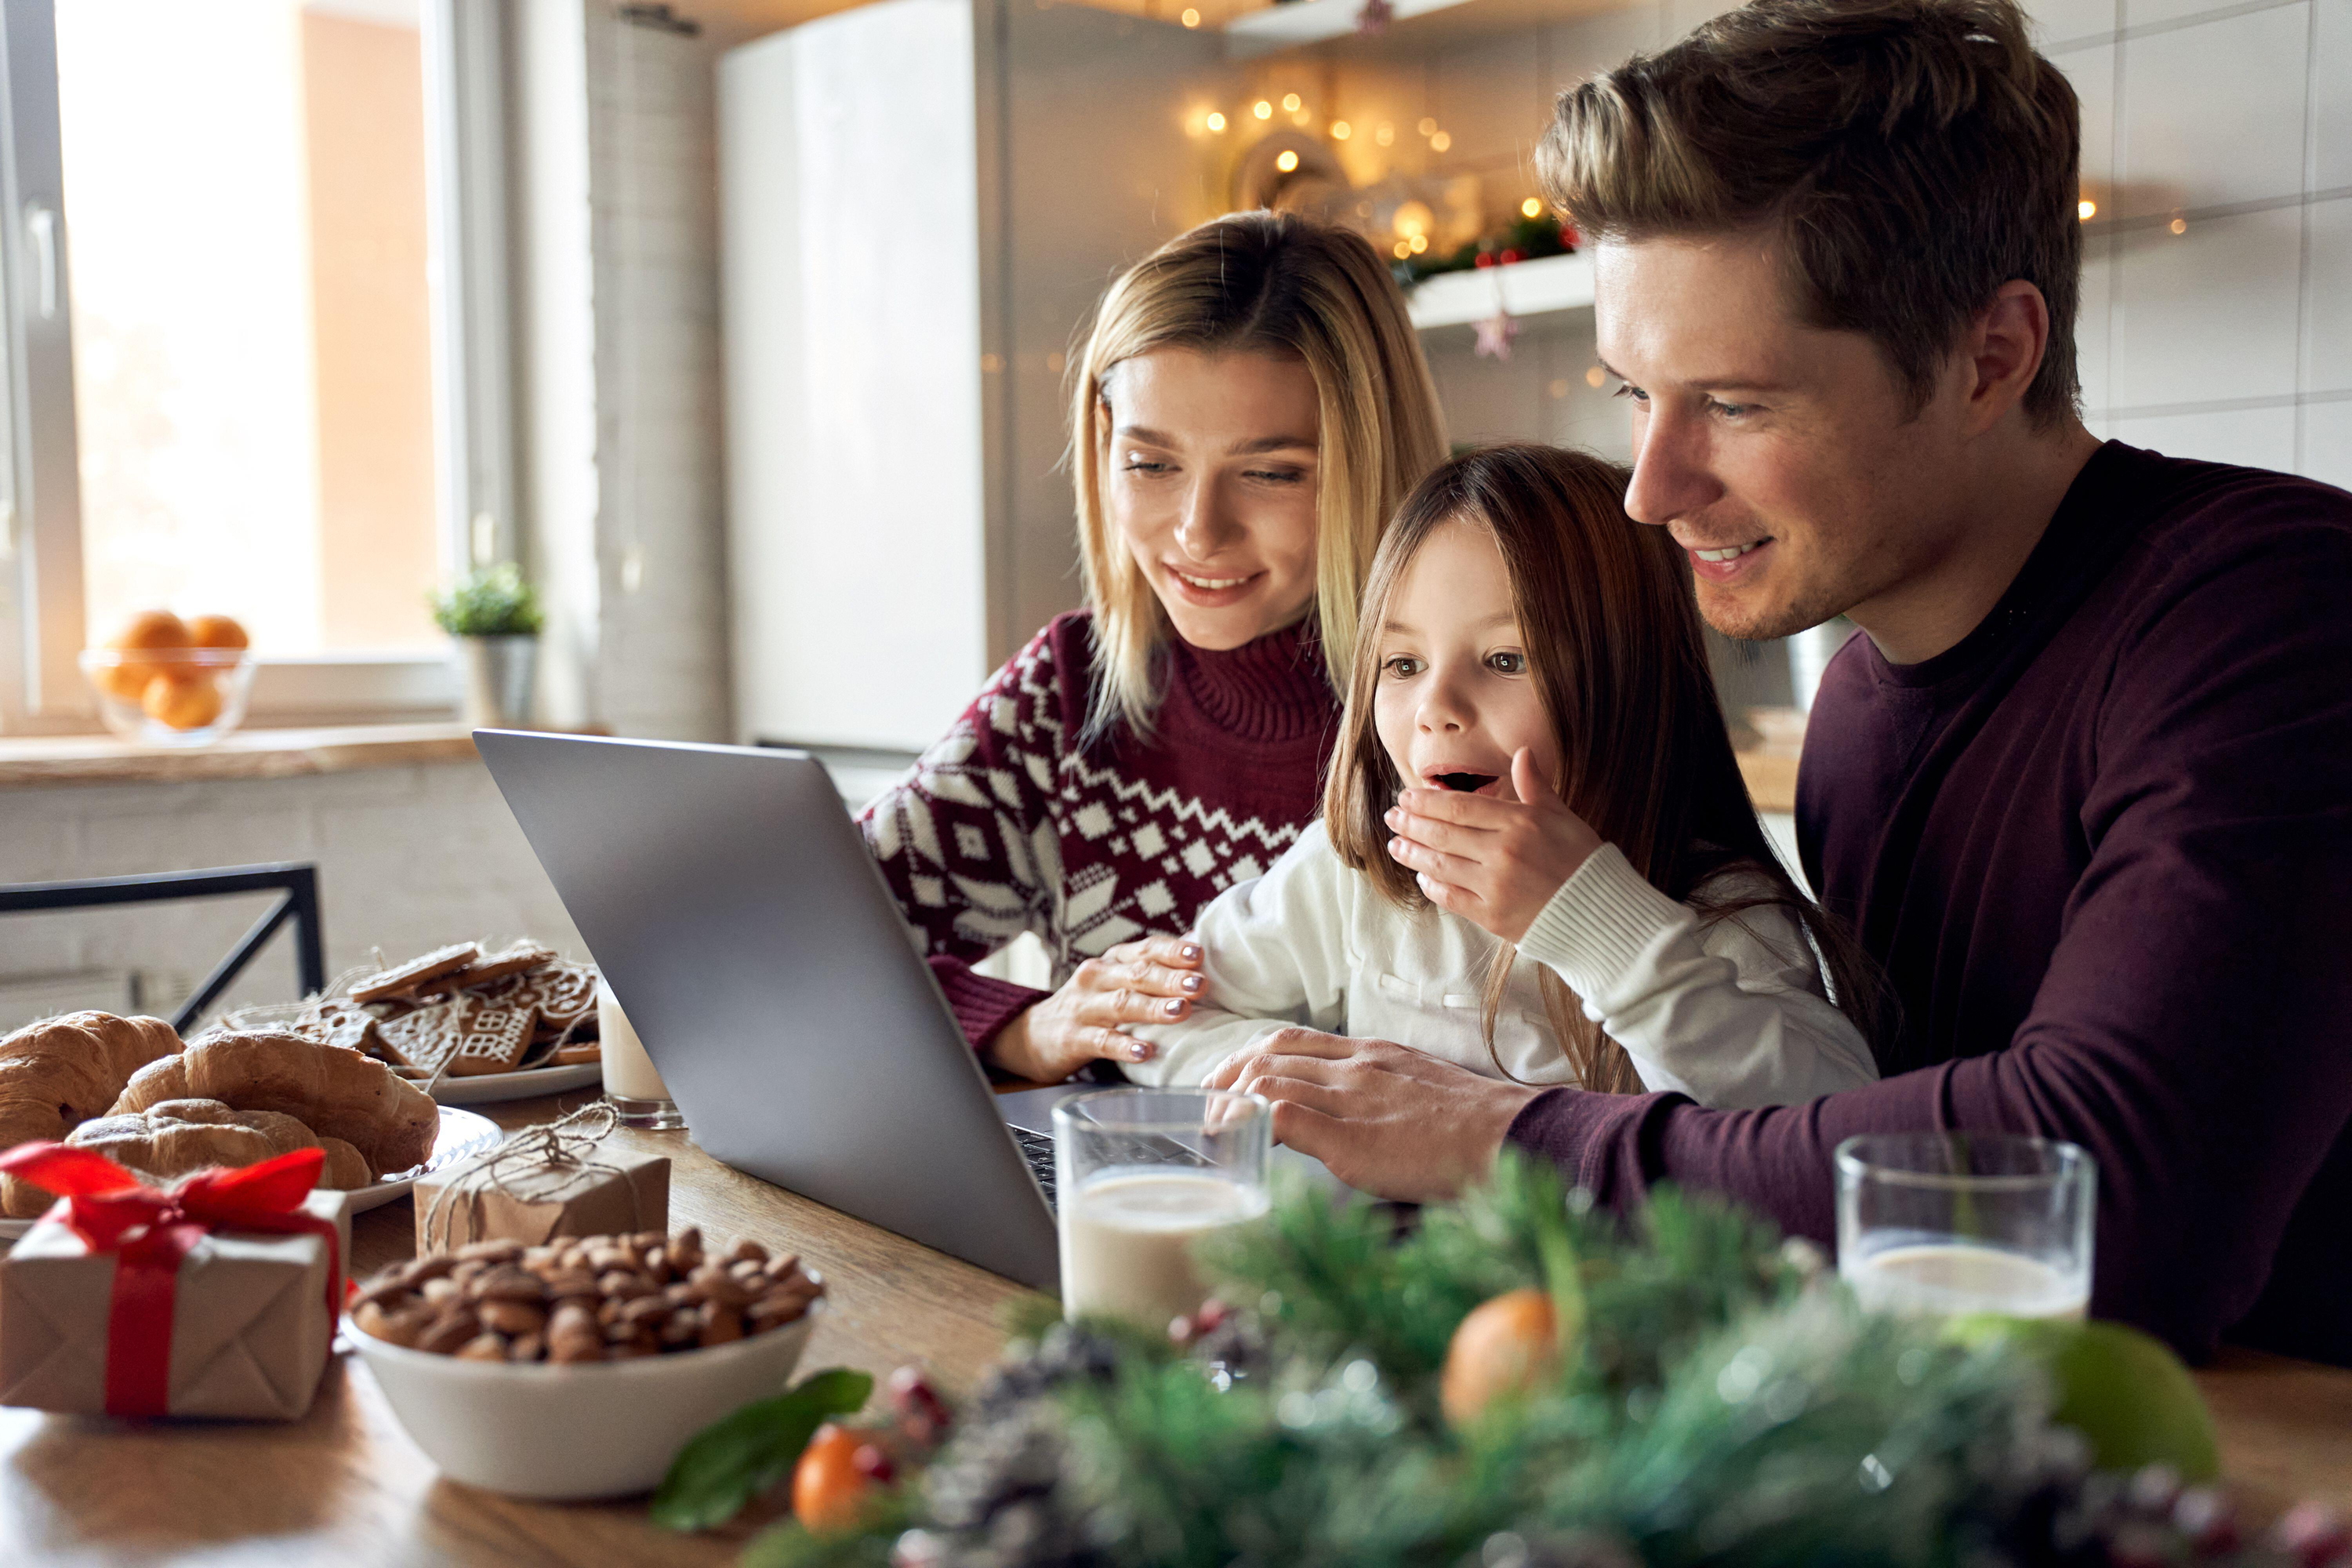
(164, 681)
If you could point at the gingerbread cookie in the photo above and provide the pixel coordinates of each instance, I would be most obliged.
(563, 994)
(522, 958)
(425, 1037)
(491, 1039)
(417, 973)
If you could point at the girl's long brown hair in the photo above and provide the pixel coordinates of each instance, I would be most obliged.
(1612, 634)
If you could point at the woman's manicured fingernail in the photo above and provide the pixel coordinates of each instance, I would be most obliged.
(1194, 983)
(1190, 950)
(1396, 846)
(1393, 816)
(1173, 1007)
(1139, 1053)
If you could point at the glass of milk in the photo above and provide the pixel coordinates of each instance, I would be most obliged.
(1940, 1223)
(635, 1091)
(1143, 1173)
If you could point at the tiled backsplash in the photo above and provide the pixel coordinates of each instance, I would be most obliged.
(2230, 339)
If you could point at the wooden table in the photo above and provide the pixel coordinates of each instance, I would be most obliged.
(345, 1485)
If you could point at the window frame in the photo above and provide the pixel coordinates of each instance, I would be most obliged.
(42, 618)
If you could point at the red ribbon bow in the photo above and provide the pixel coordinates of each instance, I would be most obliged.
(153, 1230)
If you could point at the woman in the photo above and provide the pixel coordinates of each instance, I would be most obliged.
(1251, 407)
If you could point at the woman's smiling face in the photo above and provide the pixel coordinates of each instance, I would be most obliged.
(1211, 485)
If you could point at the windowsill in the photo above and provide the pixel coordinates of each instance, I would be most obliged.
(46, 759)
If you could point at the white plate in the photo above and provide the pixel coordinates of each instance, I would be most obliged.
(491, 1087)
(463, 1134)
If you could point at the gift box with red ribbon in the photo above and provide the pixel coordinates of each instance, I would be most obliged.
(216, 1297)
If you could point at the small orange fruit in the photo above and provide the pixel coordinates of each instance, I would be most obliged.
(185, 701)
(126, 682)
(829, 1486)
(217, 631)
(1504, 1348)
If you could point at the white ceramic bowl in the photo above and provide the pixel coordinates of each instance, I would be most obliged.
(566, 1432)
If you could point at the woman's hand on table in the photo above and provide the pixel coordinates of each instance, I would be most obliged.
(1154, 979)
(1387, 1119)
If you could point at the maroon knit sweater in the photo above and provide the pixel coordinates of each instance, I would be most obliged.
(1008, 825)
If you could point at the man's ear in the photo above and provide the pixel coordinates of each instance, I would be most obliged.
(2003, 347)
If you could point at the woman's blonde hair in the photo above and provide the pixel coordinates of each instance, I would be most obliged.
(1611, 634)
(1271, 283)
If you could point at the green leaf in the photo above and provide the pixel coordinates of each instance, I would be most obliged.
(735, 1458)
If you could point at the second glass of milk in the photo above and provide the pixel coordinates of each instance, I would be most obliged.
(1143, 1174)
(1936, 1223)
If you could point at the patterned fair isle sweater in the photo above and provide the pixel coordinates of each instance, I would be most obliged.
(1006, 825)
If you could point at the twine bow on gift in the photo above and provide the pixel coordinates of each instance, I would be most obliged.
(561, 1145)
(152, 1230)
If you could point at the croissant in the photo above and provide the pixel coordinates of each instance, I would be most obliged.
(58, 1073)
(331, 1089)
(179, 1136)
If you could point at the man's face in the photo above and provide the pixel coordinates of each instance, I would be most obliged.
(1784, 458)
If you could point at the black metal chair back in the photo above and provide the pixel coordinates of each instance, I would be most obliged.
(298, 884)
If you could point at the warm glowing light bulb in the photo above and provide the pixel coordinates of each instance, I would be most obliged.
(1191, 17)
(1216, 121)
(1412, 220)
(1339, 130)
(1385, 135)
(1531, 208)
(1428, 125)
(2086, 209)
(1595, 376)
(1262, 110)
(1288, 161)
(1403, 248)
(1420, 242)
(2180, 226)
(1290, 101)
(1439, 142)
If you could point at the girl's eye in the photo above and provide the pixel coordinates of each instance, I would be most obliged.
(1402, 666)
(1508, 663)
(1627, 389)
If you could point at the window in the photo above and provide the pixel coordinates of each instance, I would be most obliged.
(237, 283)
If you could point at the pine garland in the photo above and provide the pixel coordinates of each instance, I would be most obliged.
(1727, 1403)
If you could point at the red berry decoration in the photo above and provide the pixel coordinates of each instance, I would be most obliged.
(923, 1413)
(873, 1463)
(2314, 1534)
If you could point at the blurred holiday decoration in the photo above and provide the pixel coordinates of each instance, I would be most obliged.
(1522, 1380)
(1495, 334)
(1374, 18)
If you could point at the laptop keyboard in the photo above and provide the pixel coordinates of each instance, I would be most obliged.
(1038, 1150)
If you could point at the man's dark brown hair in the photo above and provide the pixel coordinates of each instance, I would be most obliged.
(1913, 155)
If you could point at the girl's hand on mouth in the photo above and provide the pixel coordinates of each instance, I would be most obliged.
(1493, 862)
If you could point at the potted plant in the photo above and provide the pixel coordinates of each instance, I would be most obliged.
(495, 615)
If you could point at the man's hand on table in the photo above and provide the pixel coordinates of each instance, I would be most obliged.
(1387, 1121)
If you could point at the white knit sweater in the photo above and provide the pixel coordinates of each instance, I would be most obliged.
(1732, 1013)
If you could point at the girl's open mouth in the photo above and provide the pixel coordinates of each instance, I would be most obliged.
(1466, 783)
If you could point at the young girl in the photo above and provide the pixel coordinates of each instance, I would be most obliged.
(1531, 725)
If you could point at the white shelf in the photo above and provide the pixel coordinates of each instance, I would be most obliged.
(1297, 22)
(1534, 288)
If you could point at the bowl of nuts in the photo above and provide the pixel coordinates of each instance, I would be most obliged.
(578, 1368)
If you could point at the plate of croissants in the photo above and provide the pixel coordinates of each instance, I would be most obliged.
(132, 1091)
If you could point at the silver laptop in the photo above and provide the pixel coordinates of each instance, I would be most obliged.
(732, 905)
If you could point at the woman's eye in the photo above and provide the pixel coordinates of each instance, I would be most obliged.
(1627, 389)
(1508, 663)
(1729, 410)
(1277, 475)
(1145, 465)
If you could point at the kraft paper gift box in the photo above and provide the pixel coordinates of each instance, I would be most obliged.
(243, 1329)
(529, 1189)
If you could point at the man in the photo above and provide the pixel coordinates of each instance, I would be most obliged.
(2085, 788)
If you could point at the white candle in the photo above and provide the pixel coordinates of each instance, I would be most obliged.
(628, 1071)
